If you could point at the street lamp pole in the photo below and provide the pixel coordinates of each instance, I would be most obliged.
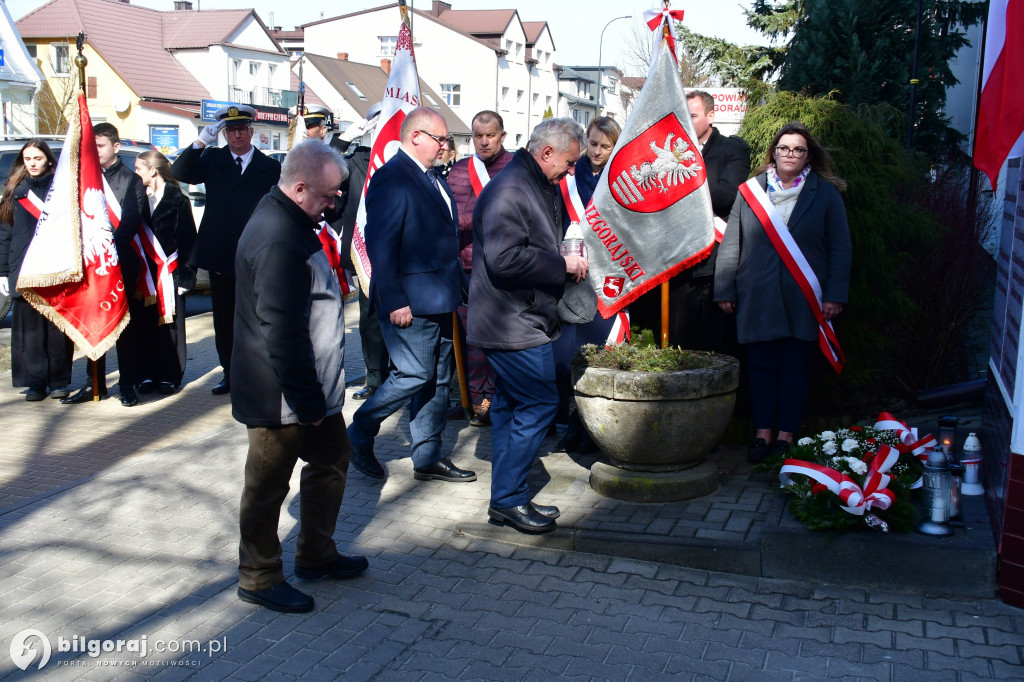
(600, 50)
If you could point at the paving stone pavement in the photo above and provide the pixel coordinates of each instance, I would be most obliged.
(121, 524)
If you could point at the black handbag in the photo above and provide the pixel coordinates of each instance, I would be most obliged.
(578, 304)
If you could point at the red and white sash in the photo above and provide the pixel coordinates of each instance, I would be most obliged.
(145, 287)
(32, 204)
(331, 247)
(571, 196)
(797, 265)
(619, 332)
(720, 226)
(478, 175)
(165, 265)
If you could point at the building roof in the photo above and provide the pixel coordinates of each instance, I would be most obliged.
(371, 80)
(145, 61)
(567, 73)
(634, 82)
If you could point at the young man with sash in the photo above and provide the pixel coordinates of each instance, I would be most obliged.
(467, 179)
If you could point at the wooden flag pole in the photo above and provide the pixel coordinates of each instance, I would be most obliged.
(460, 367)
(664, 285)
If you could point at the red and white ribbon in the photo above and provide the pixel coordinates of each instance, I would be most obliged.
(656, 18)
(619, 333)
(571, 197)
(720, 226)
(919, 447)
(854, 499)
(797, 266)
(478, 175)
(33, 204)
(165, 266)
(332, 248)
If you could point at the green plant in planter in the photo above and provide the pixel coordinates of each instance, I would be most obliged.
(642, 354)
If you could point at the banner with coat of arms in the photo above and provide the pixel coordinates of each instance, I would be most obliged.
(651, 215)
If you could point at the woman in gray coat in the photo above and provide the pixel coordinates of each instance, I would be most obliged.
(774, 320)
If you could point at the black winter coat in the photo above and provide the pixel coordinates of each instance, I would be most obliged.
(727, 164)
(131, 194)
(230, 200)
(15, 238)
(518, 275)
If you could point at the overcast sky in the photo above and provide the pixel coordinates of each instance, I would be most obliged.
(575, 24)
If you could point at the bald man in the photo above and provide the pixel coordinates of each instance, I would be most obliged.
(412, 242)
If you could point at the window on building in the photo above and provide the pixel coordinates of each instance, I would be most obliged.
(31, 51)
(504, 98)
(388, 44)
(254, 68)
(519, 139)
(536, 96)
(271, 72)
(356, 90)
(238, 68)
(547, 100)
(431, 100)
(508, 46)
(452, 94)
(60, 56)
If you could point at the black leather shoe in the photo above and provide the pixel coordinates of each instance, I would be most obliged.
(757, 451)
(83, 395)
(223, 388)
(34, 395)
(523, 518)
(780, 448)
(128, 396)
(364, 461)
(443, 470)
(60, 393)
(364, 393)
(281, 597)
(342, 567)
(548, 510)
(166, 388)
(146, 386)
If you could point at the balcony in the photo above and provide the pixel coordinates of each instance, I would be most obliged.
(265, 97)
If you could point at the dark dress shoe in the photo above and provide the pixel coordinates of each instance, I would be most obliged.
(223, 388)
(548, 510)
(281, 597)
(365, 462)
(524, 518)
(146, 386)
(757, 451)
(443, 470)
(83, 395)
(128, 396)
(59, 393)
(166, 388)
(34, 395)
(342, 567)
(364, 393)
(780, 448)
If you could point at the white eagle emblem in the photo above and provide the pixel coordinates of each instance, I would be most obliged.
(667, 168)
(97, 236)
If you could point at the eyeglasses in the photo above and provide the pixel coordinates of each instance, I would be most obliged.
(443, 141)
(798, 153)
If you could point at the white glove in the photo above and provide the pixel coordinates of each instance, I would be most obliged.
(354, 131)
(4, 290)
(210, 133)
(182, 291)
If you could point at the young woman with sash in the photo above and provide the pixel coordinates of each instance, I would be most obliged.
(40, 354)
(784, 270)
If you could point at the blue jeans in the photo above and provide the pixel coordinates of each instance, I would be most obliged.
(525, 400)
(422, 359)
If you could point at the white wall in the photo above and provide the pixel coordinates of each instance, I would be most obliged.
(251, 34)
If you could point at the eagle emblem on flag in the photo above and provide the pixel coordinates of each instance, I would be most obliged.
(657, 168)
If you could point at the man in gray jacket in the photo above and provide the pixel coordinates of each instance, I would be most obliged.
(288, 369)
(513, 297)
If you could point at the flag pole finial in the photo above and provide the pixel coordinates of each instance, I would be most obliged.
(80, 59)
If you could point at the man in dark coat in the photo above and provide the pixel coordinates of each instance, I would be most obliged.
(489, 148)
(695, 321)
(289, 378)
(237, 177)
(415, 285)
(513, 297)
(127, 188)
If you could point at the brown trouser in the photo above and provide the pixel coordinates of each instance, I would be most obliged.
(268, 467)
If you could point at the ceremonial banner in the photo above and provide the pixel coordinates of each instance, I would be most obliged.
(650, 217)
(1001, 109)
(401, 96)
(70, 273)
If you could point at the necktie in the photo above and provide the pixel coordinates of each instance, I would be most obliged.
(432, 177)
(238, 163)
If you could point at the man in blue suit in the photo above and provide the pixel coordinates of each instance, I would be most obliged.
(415, 285)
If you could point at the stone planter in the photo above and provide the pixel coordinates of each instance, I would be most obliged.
(656, 427)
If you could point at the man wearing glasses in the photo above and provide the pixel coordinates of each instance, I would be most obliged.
(416, 283)
(237, 176)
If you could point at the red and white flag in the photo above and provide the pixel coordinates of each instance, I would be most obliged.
(651, 216)
(401, 96)
(1001, 110)
(70, 273)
